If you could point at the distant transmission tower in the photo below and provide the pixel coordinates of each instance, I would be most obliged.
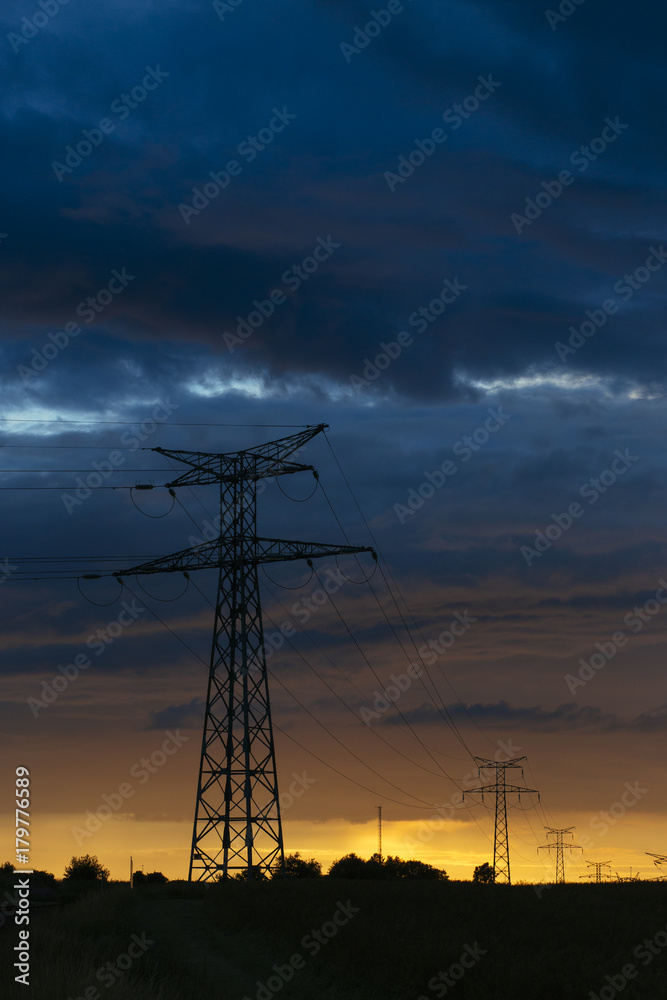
(598, 865)
(560, 847)
(237, 823)
(501, 847)
(658, 860)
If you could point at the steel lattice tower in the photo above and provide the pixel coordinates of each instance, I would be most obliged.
(237, 823)
(560, 846)
(659, 859)
(598, 865)
(501, 847)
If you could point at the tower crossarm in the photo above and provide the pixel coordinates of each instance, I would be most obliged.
(494, 788)
(214, 554)
(252, 464)
(281, 550)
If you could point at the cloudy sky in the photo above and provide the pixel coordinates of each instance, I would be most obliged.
(436, 228)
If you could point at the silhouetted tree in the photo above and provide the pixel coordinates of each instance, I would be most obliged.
(151, 878)
(484, 873)
(352, 866)
(413, 869)
(87, 868)
(349, 866)
(156, 878)
(297, 867)
(242, 876)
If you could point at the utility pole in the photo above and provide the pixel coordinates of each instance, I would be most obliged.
(560, 846)
(380, 832)
(598, 865)
(237, 823)
(501, 847)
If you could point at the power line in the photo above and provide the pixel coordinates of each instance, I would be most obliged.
(182, 641)
(443, 712)
(341, 672)
(326, 728)
(138, 423)
(397, 586)
(21, 472)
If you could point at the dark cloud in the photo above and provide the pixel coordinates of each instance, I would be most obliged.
(568, 717)
(188, 716)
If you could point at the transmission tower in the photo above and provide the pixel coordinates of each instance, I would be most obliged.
(659, 859)
(237, 823)
(598, 865)
(560, 847)
(501, 847)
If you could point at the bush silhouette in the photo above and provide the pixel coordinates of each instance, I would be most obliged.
(352, 866)
(87, 868)
(297, 867)
(484, 873)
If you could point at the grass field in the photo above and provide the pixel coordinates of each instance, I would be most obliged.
(349, 940)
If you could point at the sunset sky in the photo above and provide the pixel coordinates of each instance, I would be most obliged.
(441, 236)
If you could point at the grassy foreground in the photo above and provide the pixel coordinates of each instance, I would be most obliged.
(349, 940)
